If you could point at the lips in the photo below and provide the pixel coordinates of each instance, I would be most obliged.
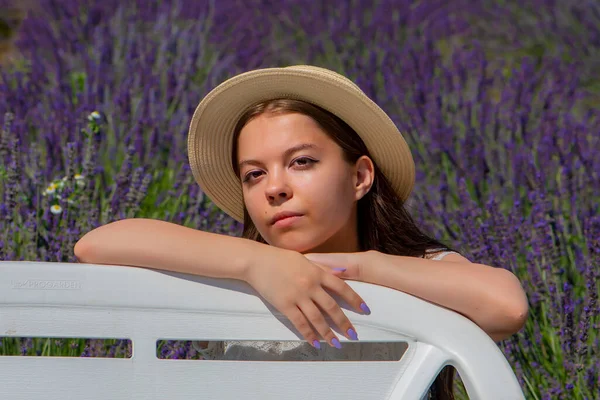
(283, 215)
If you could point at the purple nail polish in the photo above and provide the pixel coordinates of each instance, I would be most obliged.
(364, 307)
(316, 344)
(336, 343)
(339, 269)
(352, 334)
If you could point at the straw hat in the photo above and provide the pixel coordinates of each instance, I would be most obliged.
(210, 136)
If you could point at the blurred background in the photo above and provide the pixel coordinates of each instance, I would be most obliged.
(497, 99)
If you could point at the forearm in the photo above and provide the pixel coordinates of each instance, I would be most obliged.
(491, 297)
(167, 246)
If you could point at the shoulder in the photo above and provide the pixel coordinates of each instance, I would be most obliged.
(446, 255)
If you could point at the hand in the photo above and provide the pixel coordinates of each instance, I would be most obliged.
(343, 265)
(296, 287)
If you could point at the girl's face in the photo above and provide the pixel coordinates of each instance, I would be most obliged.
(298, 189)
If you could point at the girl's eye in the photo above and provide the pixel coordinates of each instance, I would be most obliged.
(251, 175)
(304, 161)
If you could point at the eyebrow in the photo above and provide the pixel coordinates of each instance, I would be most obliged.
(286, 154)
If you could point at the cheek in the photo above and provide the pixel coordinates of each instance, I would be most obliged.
(253, 205)
(332, 200)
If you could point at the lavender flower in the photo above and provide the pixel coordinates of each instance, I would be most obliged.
(501, 114)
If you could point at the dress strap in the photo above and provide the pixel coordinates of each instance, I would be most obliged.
(443, 254)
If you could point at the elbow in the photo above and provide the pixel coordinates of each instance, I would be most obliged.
(513, 310)
(84, 249)
(98, 245)
(519, 305)
(81, 250)
(512, 322)
(512, 325)
(517, 317)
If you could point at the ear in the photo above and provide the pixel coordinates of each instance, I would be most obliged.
(364, 174)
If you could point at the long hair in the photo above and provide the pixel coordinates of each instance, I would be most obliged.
(384, 224)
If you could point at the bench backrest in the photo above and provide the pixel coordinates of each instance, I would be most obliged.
(40, 299)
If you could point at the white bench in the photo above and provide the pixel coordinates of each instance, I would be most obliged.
(40, 299)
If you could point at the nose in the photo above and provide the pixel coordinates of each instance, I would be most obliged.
(277, 189)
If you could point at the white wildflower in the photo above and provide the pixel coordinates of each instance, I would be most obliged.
(56, 209)
(79, 180)
(94, 116)
(50, 189)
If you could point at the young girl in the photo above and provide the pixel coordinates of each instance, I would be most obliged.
(319, 175)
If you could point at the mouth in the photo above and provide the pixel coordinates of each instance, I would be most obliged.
(285, 216)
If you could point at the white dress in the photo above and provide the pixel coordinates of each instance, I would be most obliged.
(303, 351)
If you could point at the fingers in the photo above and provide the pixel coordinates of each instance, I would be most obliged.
(344, 290)
(307, 314)
(332, 308)
(316, 318)
(300, 322)
(308, 317)
(335, 271)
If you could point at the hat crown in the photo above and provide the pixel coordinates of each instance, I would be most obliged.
(312, 68)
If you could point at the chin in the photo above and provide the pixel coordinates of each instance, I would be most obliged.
(295, 243)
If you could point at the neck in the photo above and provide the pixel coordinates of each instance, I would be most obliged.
(344, 241)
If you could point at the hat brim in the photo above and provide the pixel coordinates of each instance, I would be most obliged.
(210, 136)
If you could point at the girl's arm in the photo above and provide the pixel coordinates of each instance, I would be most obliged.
(163, 245)
(286, 279)
(491, 297)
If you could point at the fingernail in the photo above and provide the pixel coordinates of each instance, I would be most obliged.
(336, 343)
(352, 334)
(339, 269)
(316, 344)
(364, 307)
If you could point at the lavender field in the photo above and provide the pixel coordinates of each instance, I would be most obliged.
(499, 102)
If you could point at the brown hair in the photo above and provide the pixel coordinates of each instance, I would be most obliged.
(384, 224)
